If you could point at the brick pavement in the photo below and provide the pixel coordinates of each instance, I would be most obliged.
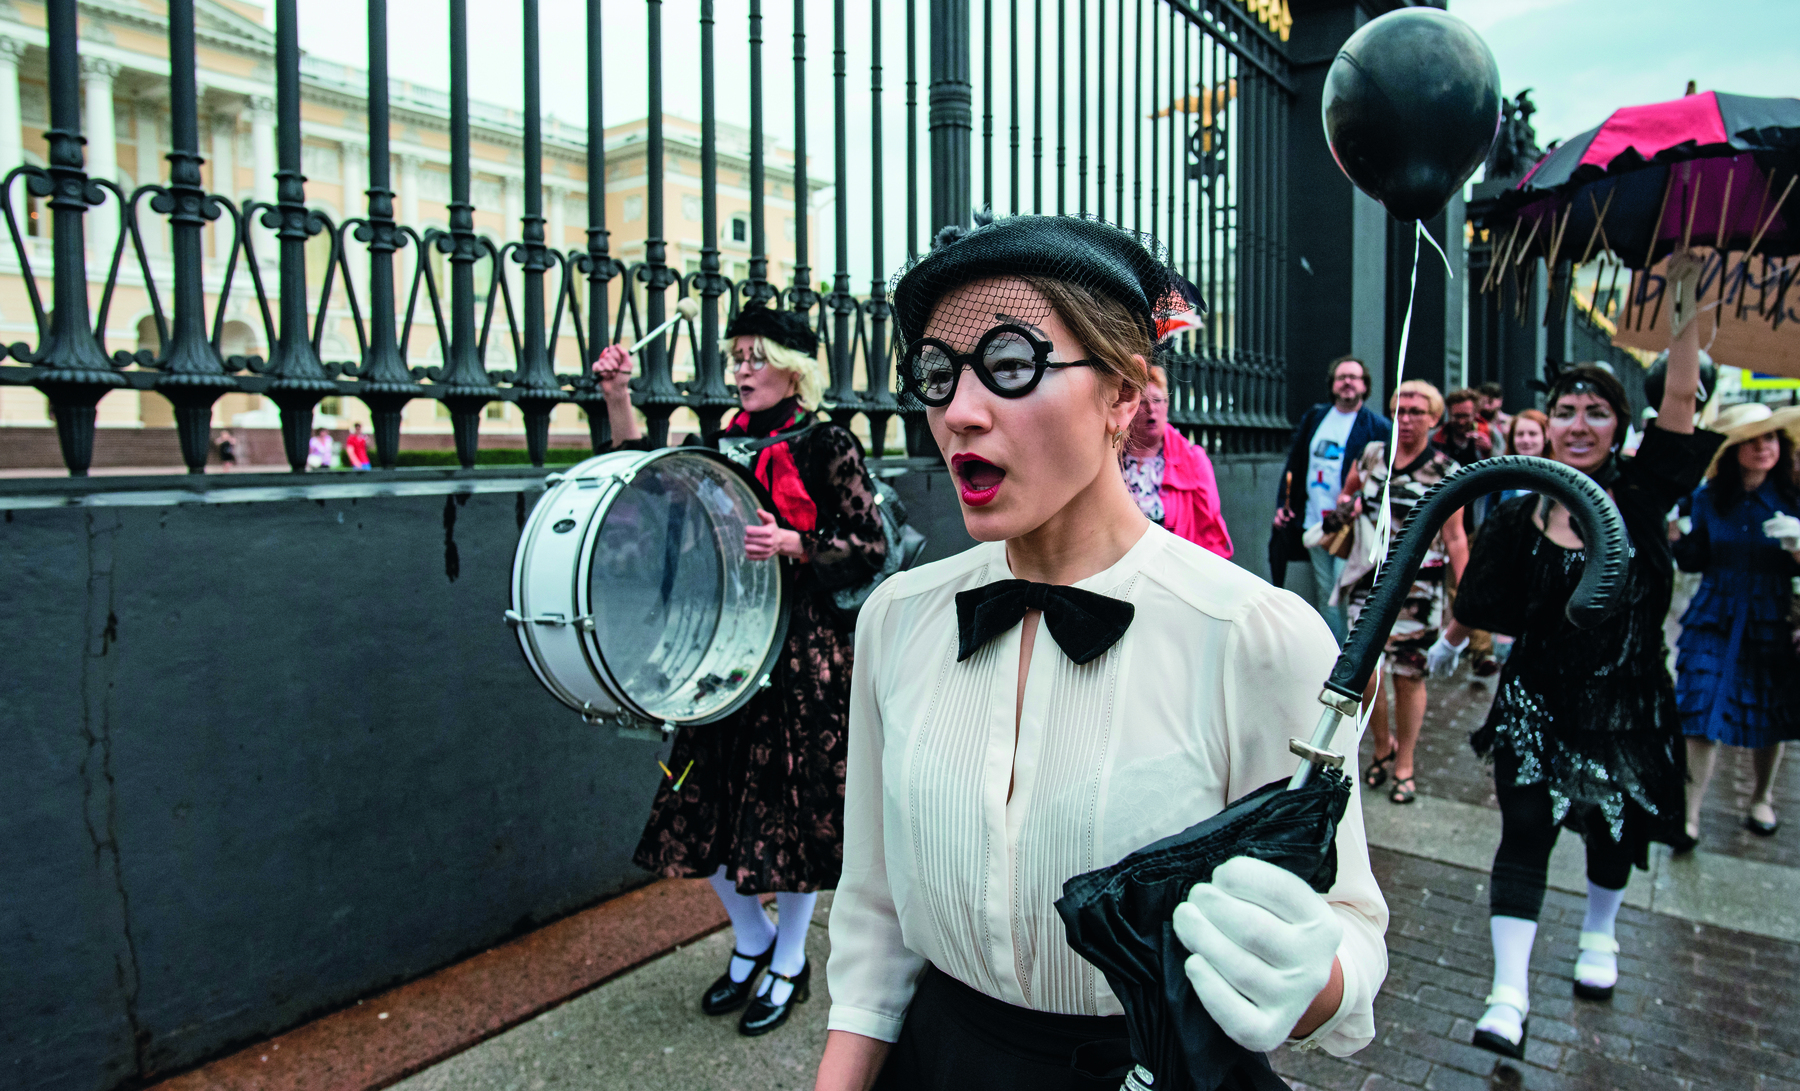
(1696, 1007)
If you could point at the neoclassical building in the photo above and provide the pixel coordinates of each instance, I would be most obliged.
(125, 119)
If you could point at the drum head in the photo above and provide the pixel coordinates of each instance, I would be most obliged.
(676, 625)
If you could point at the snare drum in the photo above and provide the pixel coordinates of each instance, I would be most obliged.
(631, 595)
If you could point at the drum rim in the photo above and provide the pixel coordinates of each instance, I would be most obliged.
(588, 640)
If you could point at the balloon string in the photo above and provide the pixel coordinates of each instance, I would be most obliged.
(1383, 522)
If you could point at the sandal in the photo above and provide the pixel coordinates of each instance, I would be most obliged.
(1380, 768)
(1403, 790)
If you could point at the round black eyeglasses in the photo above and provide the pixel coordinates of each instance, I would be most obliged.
(1009, 360)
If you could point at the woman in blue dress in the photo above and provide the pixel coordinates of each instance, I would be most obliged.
(1739, 679)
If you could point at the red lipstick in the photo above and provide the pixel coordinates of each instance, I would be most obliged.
(977, 479)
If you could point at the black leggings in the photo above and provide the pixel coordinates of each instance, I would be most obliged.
(1527, 834)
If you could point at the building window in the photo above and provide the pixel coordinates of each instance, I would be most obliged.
(740, 271)
(634, 209)
(790, 229)
(740, 229)
(495, 411)
(691, 266)
(331, 407)
(692, 209)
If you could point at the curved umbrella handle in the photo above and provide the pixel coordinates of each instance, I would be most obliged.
(1602, 575)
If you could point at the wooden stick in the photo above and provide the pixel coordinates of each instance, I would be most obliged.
(1525, 247)
(1693, 209)
(1505, 250)
(1599, 218)
(1656, 228)
(1724, 207)
(1612, 285)
(1756, 240)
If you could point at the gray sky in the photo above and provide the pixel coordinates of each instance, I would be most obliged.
(1582, 58)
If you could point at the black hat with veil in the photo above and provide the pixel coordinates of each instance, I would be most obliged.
(1105, 261)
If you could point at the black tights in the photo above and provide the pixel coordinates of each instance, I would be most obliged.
(1527, 834)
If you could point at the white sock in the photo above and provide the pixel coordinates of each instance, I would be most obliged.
(790, 943)
(1512, 938)
(1594, 966)
(1602, 909)
(751, 927)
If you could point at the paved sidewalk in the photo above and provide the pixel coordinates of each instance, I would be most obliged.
(1710, 970)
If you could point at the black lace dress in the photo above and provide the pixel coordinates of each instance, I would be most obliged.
(765, 795)
(1590, 713)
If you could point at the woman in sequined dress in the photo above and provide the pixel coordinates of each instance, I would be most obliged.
(1584, 732)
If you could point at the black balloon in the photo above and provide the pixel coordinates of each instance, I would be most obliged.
(1411, 107)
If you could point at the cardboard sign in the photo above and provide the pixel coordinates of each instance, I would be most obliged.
(1750, 316)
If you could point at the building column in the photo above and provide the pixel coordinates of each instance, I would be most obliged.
(262, 153)
(553, 213)
(101, 130)
(355, 173)
(224, 179)
(12, 143)
(512, 204)
(409, 190)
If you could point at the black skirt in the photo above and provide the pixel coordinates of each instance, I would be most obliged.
(957, 1039)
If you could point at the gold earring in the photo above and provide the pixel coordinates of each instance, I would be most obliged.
(1118, 437)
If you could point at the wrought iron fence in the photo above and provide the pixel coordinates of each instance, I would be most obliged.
(1168, 116)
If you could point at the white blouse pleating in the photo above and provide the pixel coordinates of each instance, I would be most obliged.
(1191, 709)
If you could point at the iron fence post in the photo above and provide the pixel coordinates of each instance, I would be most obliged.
(757, 291)
(801, 297)
(385, 385)
(878, 398)
(658, 397)
(597, 260)
(466, 386)
(709, 395)
(79, 374)
(535, 382)
(300, 379)
(193, 376)
(841, 397)
(951, 119)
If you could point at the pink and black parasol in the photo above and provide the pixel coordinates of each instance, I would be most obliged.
(1709, 169)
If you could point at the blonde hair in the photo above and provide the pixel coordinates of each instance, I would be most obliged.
(1419, 388)
(804, 368)
(1159, 378)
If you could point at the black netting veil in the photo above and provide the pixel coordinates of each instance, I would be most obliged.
(1106, 261)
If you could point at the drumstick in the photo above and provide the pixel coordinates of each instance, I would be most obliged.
(688, 308)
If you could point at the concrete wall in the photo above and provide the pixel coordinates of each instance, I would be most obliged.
(267, 756)
(270, 748)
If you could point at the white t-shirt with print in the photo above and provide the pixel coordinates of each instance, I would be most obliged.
(1325, 470)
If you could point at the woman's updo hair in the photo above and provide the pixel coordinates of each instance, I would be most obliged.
(1112, 338)
(1588, 379)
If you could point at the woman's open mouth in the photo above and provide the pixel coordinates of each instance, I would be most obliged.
(976, 478)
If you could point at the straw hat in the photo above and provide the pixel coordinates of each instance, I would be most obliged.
(1747, 420)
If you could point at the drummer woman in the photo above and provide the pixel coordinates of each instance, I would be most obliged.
(1584, 731)
(1137, 684)
(761, 809)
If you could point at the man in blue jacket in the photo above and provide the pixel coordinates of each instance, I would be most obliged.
(1329, 440)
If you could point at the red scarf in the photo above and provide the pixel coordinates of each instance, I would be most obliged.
(776, 470)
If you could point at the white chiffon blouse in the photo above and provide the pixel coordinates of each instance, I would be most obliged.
(1190, 710)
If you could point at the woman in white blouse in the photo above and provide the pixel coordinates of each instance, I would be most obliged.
(987, 765)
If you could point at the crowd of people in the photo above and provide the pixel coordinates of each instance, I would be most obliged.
(945, 769)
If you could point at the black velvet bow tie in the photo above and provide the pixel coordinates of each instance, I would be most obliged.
(1083, 623)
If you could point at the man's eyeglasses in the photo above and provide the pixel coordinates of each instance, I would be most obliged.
(1009, 360)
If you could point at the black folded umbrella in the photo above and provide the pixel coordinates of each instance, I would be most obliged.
(1119, 917)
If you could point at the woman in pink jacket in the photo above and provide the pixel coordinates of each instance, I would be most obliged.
(1170, 477)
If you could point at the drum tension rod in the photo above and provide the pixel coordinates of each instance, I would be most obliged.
(585, 623)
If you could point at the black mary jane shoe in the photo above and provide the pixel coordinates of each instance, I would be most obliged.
(726, 995)
(1494, 1043)
(761, 1016)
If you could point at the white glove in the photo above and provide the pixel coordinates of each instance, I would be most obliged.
(1263, 944)
(1440, 659)
(1784, 529)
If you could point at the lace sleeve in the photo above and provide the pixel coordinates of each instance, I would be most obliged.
(848, 546)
